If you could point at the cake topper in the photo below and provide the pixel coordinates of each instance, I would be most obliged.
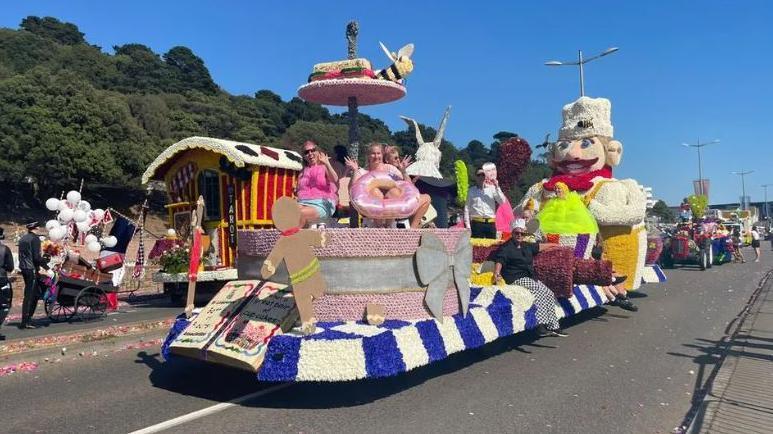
(402, 64)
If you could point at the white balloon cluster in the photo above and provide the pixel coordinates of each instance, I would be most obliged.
(74, 211)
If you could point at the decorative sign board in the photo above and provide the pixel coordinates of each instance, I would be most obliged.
(236, 326)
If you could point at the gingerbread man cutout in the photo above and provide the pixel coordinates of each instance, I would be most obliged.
(295, 248)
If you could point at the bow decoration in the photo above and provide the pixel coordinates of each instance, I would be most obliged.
(436, 267)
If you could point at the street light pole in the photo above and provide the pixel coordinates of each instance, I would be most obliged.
(743, 186)
(700, 171)
(767, 209)
(582, 73)
(580, 62)
(699, 145)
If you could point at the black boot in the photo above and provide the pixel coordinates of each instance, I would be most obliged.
(623, 302)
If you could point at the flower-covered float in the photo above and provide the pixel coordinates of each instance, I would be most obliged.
(689, 244)
(393, 300)
(339, 304)
(384, 301)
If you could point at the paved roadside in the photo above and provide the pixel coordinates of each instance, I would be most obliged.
(740, 399)
(138, 309)
(142, 319)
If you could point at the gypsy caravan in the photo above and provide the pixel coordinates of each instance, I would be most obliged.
(239, 183)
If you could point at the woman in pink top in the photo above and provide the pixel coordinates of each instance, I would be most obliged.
(317, 185)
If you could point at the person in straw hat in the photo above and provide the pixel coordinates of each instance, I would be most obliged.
(515, 265)
(582, 161)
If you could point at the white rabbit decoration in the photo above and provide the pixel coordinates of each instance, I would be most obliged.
(428, 154)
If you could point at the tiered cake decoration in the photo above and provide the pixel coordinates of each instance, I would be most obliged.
(353, 82)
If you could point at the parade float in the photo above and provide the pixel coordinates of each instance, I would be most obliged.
(701, 240)
(688, 244)
(338, 304)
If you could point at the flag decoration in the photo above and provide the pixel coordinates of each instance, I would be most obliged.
(182, 178)
(139, 263)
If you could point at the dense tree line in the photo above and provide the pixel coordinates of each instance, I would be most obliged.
(69, 111)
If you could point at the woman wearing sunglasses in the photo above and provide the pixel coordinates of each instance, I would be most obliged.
(515, 264)
(317, 186)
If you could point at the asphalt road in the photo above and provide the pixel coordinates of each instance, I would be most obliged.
(143, 309)
(618, 372)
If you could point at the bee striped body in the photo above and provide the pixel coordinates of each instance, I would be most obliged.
(402, 66)
(395, 72)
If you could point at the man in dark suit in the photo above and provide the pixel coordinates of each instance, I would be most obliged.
(6, 292)
(29, 262)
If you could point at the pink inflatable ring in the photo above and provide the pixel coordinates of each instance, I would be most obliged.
(371, 205)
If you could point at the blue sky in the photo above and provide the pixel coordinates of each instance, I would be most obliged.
(685, 70)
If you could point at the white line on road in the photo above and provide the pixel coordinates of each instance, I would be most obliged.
(208, 411)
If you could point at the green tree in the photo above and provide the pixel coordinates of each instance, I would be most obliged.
(535, 172)
(325, 135)
(141, 69)
(662, 211)
(51, 28)
(22, 51)
(187, 71)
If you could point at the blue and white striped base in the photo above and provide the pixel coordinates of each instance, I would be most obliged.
(344, 351)
(653, 274)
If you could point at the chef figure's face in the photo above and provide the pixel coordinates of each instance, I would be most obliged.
(576, 157)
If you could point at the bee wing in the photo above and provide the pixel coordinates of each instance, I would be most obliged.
(406, 51)
(386, 51)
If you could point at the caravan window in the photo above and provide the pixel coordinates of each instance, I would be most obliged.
(209, 187)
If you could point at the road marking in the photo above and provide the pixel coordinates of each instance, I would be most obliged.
(204, 412)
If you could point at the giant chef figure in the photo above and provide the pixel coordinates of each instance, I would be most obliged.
(583, 159)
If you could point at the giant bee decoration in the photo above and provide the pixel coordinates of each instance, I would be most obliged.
(402, 64)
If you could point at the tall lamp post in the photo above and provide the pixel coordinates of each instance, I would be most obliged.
(742, 174)
(767, 210)
(580, 62)
(698, 146)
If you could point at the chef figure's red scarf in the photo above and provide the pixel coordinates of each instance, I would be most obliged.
(580, 182)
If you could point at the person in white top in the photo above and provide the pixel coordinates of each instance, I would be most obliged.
(480, 210)
(756, 242)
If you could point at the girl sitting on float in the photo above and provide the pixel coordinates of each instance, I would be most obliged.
(317, 186)
(385, 194)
